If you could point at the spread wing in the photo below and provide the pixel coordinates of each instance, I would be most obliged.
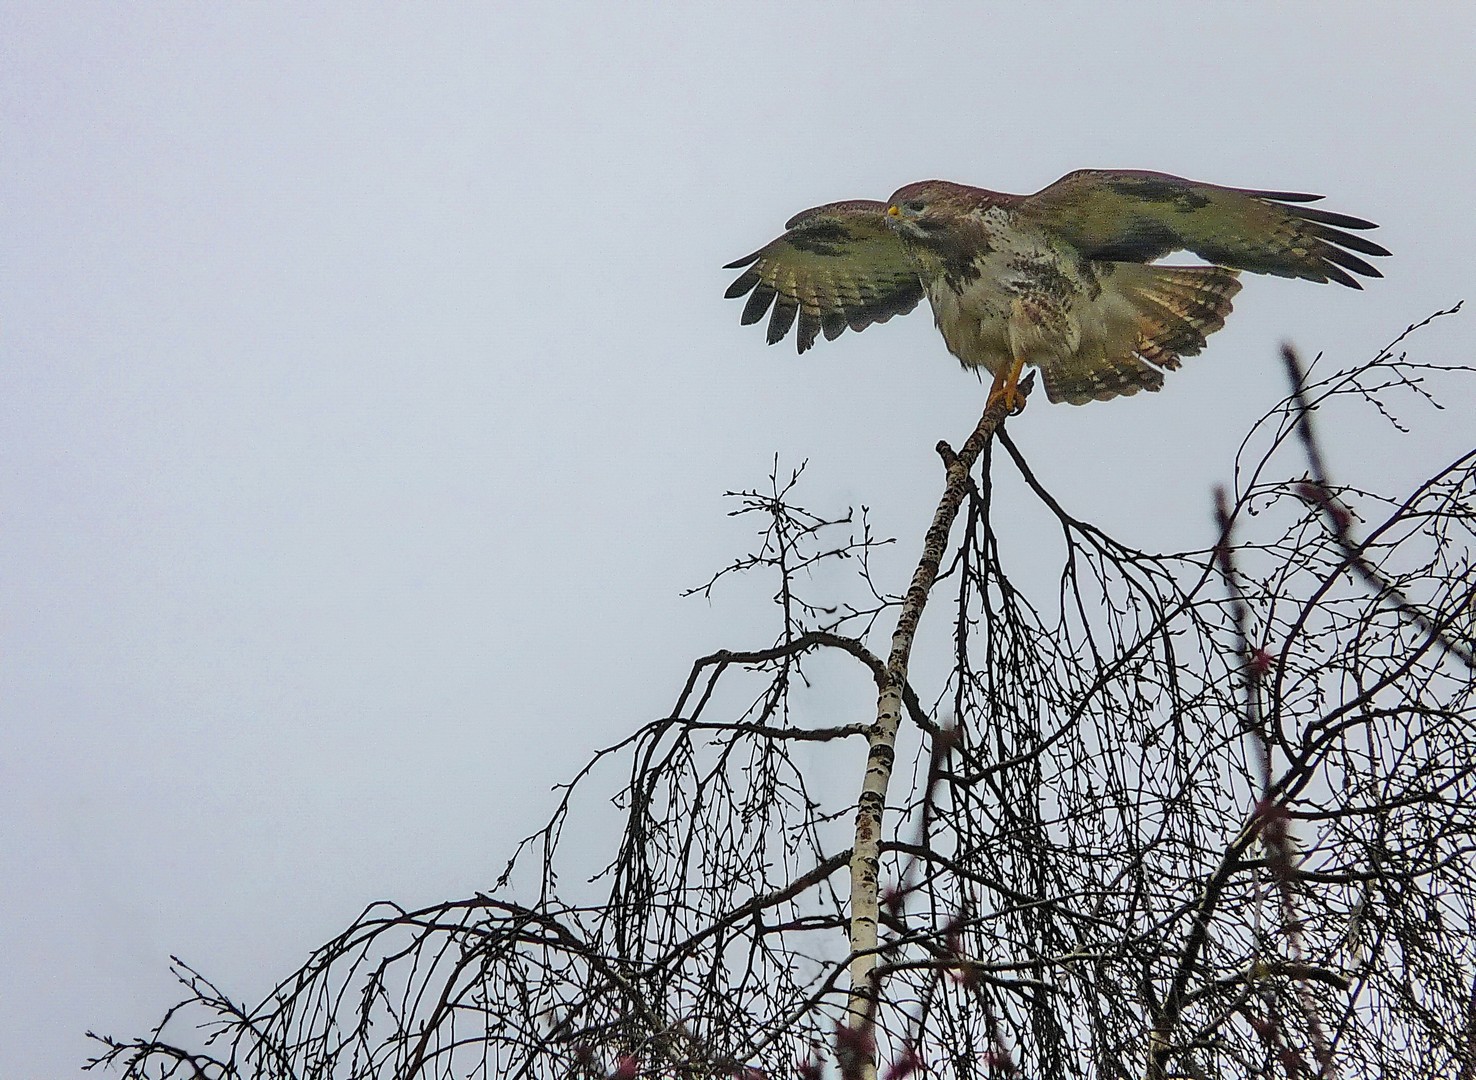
(1128, 216)
(836, 266)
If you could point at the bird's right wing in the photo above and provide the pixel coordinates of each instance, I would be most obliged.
(836, 266)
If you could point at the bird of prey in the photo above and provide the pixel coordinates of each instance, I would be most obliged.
(1064, 280)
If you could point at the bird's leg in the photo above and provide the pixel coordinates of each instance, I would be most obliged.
(1024, 335)
(1006, 387)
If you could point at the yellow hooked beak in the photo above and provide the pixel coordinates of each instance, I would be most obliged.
(893, 211)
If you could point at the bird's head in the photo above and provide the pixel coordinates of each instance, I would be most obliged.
(908, 210)
(920, 210)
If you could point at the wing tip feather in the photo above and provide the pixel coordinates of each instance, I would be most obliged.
(744, 283)
(1327, 217)
(758, 304)
(1285, 196)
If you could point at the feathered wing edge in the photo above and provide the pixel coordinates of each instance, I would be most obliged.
(1134, 216)
(1333, 243)
(836, 266)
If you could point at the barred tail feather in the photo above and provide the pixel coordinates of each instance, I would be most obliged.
(1178, 307)
(1144, 321)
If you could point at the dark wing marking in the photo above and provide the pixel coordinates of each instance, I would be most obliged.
(1141, 216)
(836, 266)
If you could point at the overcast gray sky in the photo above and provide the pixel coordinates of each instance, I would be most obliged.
(367, 394)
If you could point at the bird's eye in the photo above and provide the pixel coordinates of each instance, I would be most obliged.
(913, 206)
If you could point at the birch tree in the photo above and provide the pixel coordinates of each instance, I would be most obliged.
(1197, 814)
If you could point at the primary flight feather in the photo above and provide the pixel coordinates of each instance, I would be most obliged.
(1059, 280)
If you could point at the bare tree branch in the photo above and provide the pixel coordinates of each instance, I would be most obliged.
(1204, 814)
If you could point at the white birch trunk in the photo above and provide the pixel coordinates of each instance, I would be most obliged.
(882, 739)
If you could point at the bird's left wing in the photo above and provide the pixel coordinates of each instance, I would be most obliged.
(836, 266)
(1126, 216)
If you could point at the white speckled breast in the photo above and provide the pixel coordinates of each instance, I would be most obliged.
(1024, 272)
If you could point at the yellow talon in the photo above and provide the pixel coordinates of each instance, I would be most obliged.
(1006, 389)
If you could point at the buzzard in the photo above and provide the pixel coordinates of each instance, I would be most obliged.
(1063, 280)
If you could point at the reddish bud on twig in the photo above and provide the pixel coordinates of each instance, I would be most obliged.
(1263, 1027)
(998, 1062)
(953, 942)
(626, 1068)
(1292, 1062)
(1317, 495)
(905, 1066)
(953, 935)
(894, 899)
(854, 1047)
(1273, 818)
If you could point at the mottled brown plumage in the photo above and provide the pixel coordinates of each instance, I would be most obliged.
(1057, 279)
